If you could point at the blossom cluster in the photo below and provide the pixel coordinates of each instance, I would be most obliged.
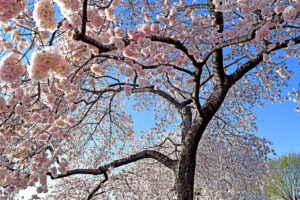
(43, 15)
(10, 9)
(68, 8)
(47, 61)
(11, 68)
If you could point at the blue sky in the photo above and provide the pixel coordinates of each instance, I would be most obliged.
(280, 122)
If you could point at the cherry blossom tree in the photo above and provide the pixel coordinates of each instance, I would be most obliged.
(72, 72)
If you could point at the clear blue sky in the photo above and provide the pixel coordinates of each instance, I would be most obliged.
(280, 122)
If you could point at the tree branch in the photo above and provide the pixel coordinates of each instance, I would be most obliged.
(92, 193)
(178, 45)
(163, 159)
(246, 67)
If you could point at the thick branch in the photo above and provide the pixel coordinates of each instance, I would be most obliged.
(217, 59)
(246, 67)
(163, 159)
(92, 193)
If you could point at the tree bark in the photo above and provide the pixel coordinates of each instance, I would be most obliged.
(186, 165)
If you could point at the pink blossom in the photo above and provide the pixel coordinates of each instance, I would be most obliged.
(130, 53)
(128, 72)
(50, 98)
(73, 107)
(43, 15)
(271, 46)
(146, 28)
(144, 83)
(119, 43)
(53, 129)
(9, 10)
(173, 14)
(71, 120)
(262, 33)
(110, 14)
(118, 32)
(154, 27)
(282, 73)
(11, 68)
(3, 105)
(60, 123)
(19, 93)
(127, 90)
(20, 110)
(43, 136)
(189, 81)
(291, 43)
(279, 8)
(143, 42)
(243, 2)
(98, 70)
(45, 113)
(66, 25)
(289, 13)
(26, 99)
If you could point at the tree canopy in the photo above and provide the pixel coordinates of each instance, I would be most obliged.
(284, 182)
(73, 72)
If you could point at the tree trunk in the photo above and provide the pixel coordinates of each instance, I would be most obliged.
(186, 166)
(185, 178)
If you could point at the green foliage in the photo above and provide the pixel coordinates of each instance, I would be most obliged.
(284, 182)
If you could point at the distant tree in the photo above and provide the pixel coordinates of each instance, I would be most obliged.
(285, 181)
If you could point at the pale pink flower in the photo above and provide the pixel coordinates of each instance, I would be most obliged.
(160, 69)
(262, 33)
(189, 81)
(271, 46)
(20, 110)
(110, 14)
(45, 113)
(3, 105)
(50, 98)
(73, 107)
(289, 13)
(128, 72)
(26, 99)
(282, 73)
(243, 2)
(9, 10)
(53, 129)
(119, 43)
(98, 70)
(60, 123)
(173, 14)
(143, 42)
(43, 137)
(118, 32)
(71, 120)
(43, 15)
(127, 90)
(291, 43)
(11, 68)
(66, 25)
(130, 53)
(144, 83)
(19, 92)
(279, 8)
(154, 27)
